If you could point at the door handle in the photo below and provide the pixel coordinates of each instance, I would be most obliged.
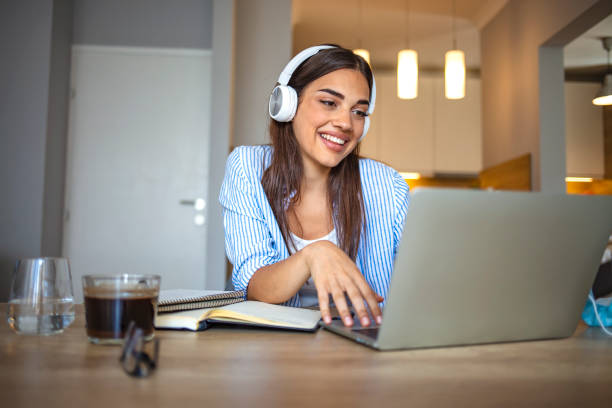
(197, 203)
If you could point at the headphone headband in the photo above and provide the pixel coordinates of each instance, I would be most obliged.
(295, 62)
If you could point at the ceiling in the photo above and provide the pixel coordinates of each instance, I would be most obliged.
(585, 58)
(386, 26)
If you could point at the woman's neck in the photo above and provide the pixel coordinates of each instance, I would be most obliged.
(310, 217)
(314, 178)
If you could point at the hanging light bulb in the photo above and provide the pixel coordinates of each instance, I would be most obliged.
(407, 68)
(604, 95)
(454, 69)
(365, 54)
(454, 74)
(407, 74)
(362, 52)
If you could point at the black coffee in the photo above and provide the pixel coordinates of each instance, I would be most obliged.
(109, 318)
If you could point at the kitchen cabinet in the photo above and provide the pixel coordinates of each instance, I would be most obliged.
(429, 134)
(433, 135)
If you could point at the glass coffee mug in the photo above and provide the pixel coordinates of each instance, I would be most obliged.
(112, 302)
(40, 301)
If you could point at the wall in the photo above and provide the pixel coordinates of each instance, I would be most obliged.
(511, 74)
(144, 23)
(607, 119)
(34, 43)
(263, 48)
(57, 125)
(223, 45)
(583, 131)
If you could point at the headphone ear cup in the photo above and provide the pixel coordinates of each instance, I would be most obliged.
(283, 103)
(366, 126)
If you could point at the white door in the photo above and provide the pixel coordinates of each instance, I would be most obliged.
(138, 147)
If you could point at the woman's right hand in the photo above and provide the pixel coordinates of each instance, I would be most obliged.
(335, 274)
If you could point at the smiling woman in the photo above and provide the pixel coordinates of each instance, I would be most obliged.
(307, 218)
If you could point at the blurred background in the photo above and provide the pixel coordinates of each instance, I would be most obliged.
(116, 117)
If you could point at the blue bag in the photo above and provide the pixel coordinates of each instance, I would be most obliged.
(604, 308)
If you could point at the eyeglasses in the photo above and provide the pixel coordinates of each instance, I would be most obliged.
(134, 360)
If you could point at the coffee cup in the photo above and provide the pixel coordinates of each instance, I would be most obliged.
(112, 302)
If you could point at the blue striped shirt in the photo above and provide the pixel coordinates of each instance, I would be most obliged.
(253, 238)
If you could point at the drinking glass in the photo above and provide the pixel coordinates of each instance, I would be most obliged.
(41, 300)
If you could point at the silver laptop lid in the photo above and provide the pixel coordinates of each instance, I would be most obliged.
(479, 266)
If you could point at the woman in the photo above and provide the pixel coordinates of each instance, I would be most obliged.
(306, 218)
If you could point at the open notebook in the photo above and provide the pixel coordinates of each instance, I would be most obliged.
(250, 313)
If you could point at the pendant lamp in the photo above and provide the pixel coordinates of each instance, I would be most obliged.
(362, 52)
(454, 69)
(407, 67)
(454, 74)
(604, 95)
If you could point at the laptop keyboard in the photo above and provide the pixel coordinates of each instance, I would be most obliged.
(366, 331)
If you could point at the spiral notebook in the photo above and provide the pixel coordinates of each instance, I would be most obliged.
(174, 300)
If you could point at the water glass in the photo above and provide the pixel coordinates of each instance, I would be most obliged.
(41, 297)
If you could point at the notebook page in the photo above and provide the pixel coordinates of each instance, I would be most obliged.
(280, 314)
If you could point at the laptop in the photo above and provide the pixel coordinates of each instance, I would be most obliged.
(489, 266)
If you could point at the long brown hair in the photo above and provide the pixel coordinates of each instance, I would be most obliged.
(282, 179)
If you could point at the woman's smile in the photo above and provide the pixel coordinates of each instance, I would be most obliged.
(334, 141)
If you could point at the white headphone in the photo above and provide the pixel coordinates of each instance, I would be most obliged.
(284, 100)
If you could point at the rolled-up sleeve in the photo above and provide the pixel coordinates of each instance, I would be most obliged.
(248, 241)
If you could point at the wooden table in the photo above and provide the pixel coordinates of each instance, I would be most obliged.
(255, 367)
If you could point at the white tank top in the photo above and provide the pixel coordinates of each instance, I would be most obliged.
(308, 292)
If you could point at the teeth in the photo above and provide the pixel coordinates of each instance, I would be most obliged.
(332, 138)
